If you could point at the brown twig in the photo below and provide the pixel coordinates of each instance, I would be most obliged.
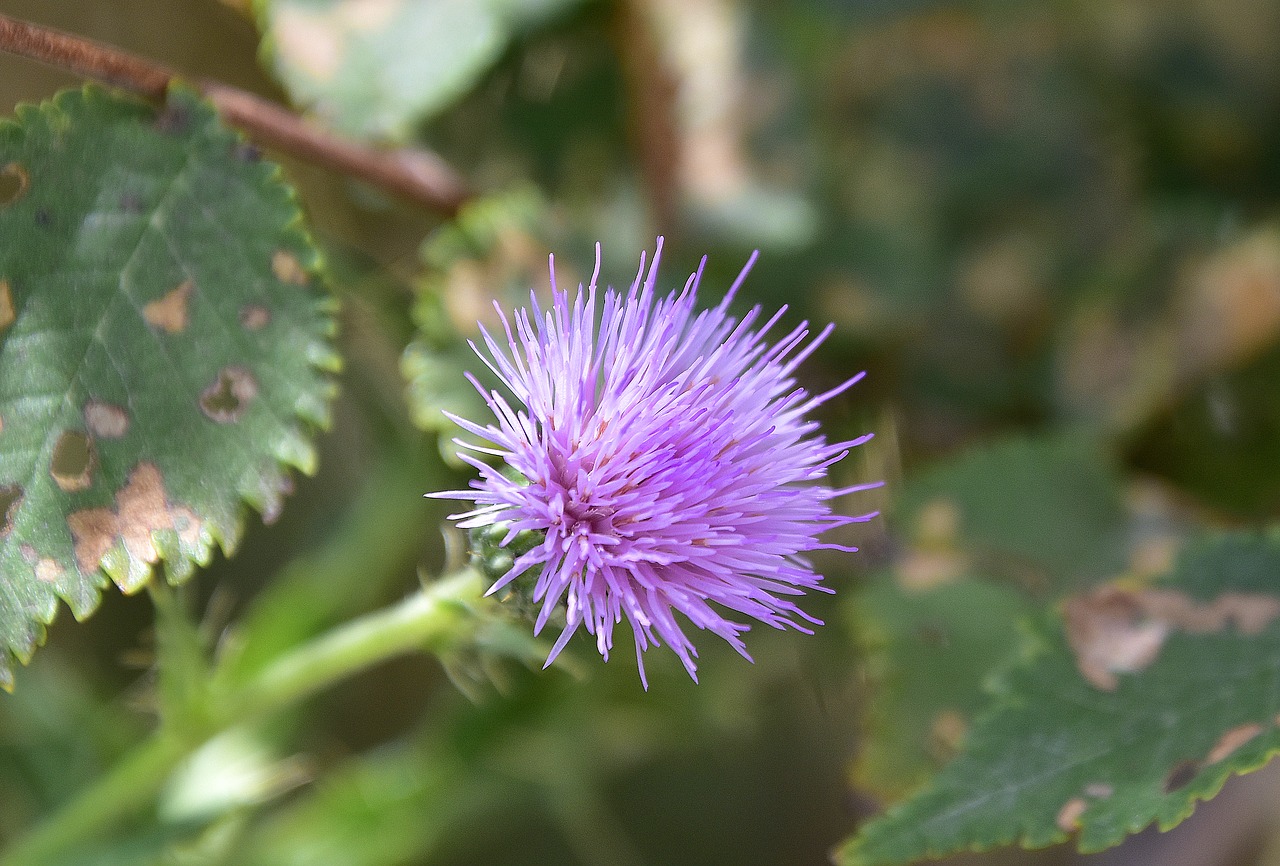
(413, 173)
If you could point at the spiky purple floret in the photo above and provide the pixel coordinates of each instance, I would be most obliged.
(667, 457)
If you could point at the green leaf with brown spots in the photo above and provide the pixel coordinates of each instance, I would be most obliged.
(374, 68)
(1044, 512)
(1135, 703)
(163, 349)
(927, 656)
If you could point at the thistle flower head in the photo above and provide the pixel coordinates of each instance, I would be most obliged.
(665, 457)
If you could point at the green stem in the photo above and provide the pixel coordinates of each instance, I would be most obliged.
(429, 619)
(425, 620)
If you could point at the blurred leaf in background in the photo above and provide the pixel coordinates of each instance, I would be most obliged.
(376, 68)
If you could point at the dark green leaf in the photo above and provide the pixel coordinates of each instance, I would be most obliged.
(1140, 703)
(162, 344)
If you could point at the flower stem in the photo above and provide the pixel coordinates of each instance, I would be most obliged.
(426, 620)
(431, 619)
(412, 172)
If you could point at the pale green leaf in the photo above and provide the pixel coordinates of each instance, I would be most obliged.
(375, 68)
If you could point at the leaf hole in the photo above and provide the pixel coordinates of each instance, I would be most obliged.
(10, 499)
(1181, 775)
(14, 181)
(228, 398)
(8, 314)
(73, 461)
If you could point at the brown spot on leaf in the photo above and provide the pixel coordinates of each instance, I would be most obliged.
(1180, 776)
(106, 420)
(946, 734)
(170, 313)
(287, 268)
(29, 555)
(1113, 630)
(254, 317)
(93, 531)
(74, 460)
(1099, 790)
(1069, 815)
(14, 181)
(921, 570)
(1109, 635)
(228, 398)
(8, 315)
(1250, 613)
(186, 524)
(10, 499)
(1232, 740)
(938, 522)
(48, 570)
(1154, 556)
(142, 508)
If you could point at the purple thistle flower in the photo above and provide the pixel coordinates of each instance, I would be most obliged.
(665, 454)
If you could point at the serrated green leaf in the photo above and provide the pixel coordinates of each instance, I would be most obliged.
(1139, 704)
(1045, 511)
(927, 657)
(162, 347)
